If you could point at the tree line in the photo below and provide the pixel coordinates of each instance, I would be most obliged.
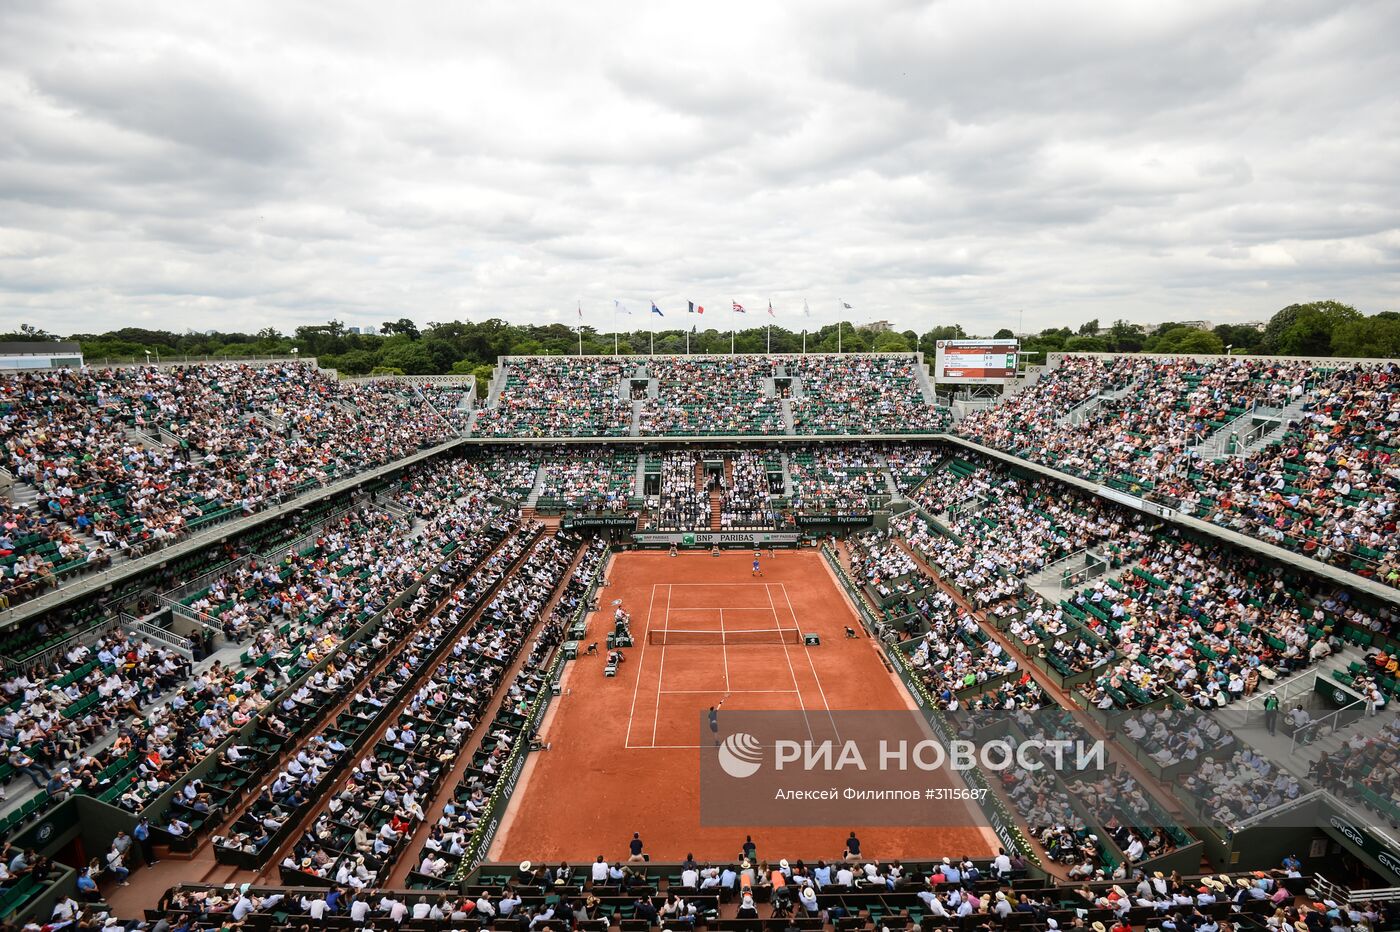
(1323, 328)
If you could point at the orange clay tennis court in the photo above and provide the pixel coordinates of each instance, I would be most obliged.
(625, 752)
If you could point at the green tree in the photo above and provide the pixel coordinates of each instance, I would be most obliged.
(1004, 334)
(1086, 344)
(928, 343)
(1123, 337)
(402, 326)
(1241, 337)
(890, 342)
(28, 333)
(1089, 329)
(412, 358)
(1306, 329)
(1368, 336)
(1187, 340)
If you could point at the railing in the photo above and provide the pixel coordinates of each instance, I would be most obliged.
(172, 597)
(1259, 818)
(42, 659)
(155, 632)
(447, 422)
(1315, 728)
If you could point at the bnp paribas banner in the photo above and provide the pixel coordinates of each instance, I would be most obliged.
(716, 538)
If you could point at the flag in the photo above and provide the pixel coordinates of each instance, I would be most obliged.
(656, 310)
(805, 309)
(770, 310)
(619, 307)
(580, 311)
(738, 308)
(847, 306)
(694, 308)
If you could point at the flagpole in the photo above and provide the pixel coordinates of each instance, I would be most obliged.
(614, 328)
(838, 336)
(804, 341)
(732, 312)
(580, 328)
(770, 339)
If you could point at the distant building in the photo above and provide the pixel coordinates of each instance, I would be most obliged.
(1196, 324)
(352, 330)
(40, 355)
(876, 326)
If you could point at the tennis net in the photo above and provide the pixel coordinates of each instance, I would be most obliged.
(672, 637)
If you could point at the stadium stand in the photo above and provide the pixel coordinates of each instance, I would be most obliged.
(559, 397)
(359, 682)
(862, 395)
(710, 395)
(141, 456)
(1305, 460)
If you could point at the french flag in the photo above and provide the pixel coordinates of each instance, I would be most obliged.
(695, 308)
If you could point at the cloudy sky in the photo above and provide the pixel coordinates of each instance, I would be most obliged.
(271, 164)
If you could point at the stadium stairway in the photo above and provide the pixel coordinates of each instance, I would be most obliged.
(498, 383)
(925, 384)
(888, 476)
(789, 425)
(1301, 683)
(1088, 406)
(787, 476)
(1217, 445)
(533, 499)
(1048, 581)
(137, 435)
(716, 506)
(26, 496)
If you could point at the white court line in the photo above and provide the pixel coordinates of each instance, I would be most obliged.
(661, 669)
(792, 671)
(724, 651)
(719, 608)
(735, 692)
(810, 663)
(641, 660)
(683, 747)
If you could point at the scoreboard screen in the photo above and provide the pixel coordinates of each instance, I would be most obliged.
(975, 362)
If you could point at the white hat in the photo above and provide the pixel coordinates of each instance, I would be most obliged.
(525, 867)
(784, 864)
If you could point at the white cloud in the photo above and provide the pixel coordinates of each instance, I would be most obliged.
(281, 163)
